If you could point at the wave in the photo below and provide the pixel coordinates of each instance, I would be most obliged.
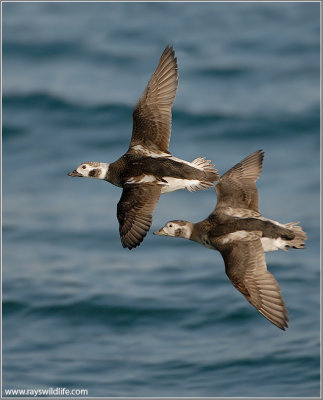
(116, 312)
(41, 50)
(227, 125)
(223, 72)
(49, 100)
(10, 307)
(10, 131)
(111, 312)
(49, 51)
(43, 101)
(246, 127)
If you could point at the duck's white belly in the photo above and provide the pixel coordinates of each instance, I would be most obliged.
(169, 184)
(270, 244)
(174, 184)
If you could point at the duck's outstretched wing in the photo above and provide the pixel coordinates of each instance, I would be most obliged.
(237, 187)
(245, 265)
(152, 117)
(134, 212)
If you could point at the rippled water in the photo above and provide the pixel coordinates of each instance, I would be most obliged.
(79, 311)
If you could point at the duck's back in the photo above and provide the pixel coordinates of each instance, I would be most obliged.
(131, 166)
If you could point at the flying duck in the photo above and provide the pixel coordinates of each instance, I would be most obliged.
(239, 232)
(148, 169)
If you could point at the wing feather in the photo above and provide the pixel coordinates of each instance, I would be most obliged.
(152, 117)
(134, 212)
(237, 187)
(246, 267)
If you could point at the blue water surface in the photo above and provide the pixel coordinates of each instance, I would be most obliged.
(79, 311)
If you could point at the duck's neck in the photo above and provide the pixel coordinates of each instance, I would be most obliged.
(104, 171)
(186, 230)
(196, 232)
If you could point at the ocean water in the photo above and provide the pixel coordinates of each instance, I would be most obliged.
(81, 312)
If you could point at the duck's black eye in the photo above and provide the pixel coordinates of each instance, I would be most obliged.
(83, 166)
(170, 225)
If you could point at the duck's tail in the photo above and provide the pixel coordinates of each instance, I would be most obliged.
(210, 174)
(300, 236)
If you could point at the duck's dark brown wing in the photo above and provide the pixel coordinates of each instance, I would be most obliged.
(152, 117)
(245, 265)
(134, 212)
(237, 187)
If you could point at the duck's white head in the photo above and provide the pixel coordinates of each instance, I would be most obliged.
(177, 228)
(91, 170)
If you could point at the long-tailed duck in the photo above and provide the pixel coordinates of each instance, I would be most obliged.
(238, 231)
(147, 169)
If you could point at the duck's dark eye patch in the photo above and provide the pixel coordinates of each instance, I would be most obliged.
(170, 225)
(83, 166)
(94, 172)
